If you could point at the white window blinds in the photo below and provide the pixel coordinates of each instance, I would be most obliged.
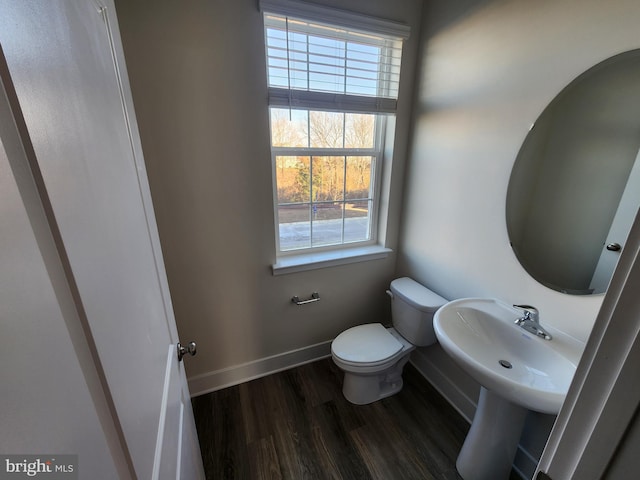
(323, 66)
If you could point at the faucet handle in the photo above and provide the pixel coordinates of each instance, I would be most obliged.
(530, 312)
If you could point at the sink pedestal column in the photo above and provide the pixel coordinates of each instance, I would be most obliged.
(490, 446)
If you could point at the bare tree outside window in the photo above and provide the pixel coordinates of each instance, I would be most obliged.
(331, 192)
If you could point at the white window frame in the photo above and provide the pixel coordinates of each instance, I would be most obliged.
(312, 100)
(377, 153)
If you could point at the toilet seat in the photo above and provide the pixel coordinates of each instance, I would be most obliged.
(366, 345)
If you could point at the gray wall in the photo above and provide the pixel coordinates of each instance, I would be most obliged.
(488, 70)
(198, 77)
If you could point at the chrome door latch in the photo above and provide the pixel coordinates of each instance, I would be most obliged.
(182, 350)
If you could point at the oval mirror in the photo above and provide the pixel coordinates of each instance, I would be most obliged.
(575, 185)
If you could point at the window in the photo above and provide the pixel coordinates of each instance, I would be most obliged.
(331, 88)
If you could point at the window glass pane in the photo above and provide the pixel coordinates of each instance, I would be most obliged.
(326, 129)
(327, 223)
(326, 64)
(289, 128)
(359, 177)
(357, 223)
(276, 39)
(363, 70)
(359, 130)
(327, 179)
(294, 226)
(278, 77)
(368, 53)
(293, 179)
(335, 60)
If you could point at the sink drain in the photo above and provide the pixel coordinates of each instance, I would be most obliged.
(505, 364)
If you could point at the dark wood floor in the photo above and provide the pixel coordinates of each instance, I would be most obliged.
(297, 425)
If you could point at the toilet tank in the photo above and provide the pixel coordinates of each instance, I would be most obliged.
(412, 309)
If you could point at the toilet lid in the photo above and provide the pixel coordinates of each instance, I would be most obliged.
(365, 344)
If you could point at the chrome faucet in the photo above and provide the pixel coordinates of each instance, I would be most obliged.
(530, 321)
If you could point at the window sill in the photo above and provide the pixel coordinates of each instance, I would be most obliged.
(315, 260)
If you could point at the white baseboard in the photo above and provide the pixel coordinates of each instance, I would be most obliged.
(227, 377)
(460, 400)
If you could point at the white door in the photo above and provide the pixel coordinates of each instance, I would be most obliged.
(51, 398)
(66, 79)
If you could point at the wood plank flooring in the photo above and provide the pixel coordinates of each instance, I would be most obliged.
(297, 425)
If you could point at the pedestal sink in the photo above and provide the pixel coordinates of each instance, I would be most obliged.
(516, 370)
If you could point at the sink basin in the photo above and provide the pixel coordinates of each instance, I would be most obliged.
(481, 336)
(517, 371)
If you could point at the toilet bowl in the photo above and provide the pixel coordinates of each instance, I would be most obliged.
(373, 357)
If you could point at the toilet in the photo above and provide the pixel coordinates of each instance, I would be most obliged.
(372, 356)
